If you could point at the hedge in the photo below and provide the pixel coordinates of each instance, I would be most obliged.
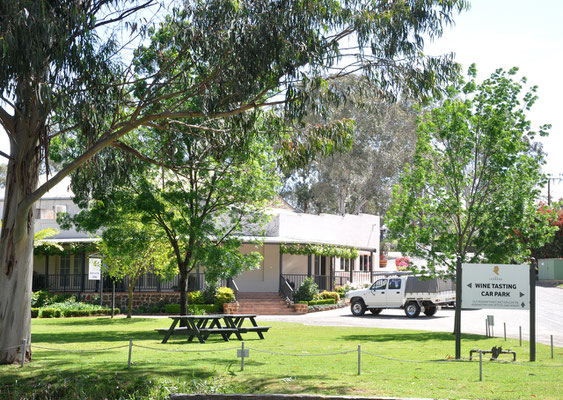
(50, 313)
(172, 308)
(195, 309)
(330, 295)
(322, 302)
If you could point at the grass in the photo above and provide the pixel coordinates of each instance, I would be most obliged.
(214, 367)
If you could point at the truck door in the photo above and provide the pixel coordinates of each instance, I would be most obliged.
(394, 292)
(378, 293)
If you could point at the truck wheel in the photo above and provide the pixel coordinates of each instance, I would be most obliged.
(430, 310)
(412, 309)
(376, 311)
(358, 308)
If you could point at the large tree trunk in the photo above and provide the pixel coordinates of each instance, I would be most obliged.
(16, 246)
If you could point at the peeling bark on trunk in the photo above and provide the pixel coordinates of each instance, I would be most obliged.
(16, 237)
(16, 251)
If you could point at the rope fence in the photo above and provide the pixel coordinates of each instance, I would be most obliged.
(244, 353)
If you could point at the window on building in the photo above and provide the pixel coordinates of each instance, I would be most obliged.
(77, 270)
(59, 209)
(365, 261)
(45, 213)
(64, 270)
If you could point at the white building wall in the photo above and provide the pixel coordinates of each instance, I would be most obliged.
(266, 278)
(294, 264)
(359, 231)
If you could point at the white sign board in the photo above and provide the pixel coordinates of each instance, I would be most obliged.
(502, 286)
(94, 269)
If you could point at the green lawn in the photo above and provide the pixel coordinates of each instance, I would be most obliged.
(207, 369)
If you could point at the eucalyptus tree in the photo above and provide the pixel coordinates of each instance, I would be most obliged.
(362, 178)
(65, 77)
(471, 190)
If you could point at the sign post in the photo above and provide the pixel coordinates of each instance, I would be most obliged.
(458, 301)
(533, 265)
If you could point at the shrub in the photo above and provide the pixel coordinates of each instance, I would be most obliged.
(224, 295)
(172, 309)
(61, 298)
(34, 312)
(50, 313)
(77, 313)
(303, 302)
(209, 293)
(195, 298)
(306, 291)
(322, 302)
(198, 309)
(39, 298)
(330, 295)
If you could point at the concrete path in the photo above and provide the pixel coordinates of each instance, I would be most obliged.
(549, 319)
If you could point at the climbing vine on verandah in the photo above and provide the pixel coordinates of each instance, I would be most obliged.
(328, 250)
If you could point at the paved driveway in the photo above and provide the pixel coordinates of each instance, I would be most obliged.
(549, 319)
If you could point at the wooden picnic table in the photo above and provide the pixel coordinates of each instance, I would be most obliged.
(202, 326)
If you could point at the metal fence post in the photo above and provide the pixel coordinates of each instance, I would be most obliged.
(130, 351)
(480, 366)
(486, 327)
(520, 336)
(242, 356)
(505, 331)
(359, 359)
(24, 348)
(551, 336)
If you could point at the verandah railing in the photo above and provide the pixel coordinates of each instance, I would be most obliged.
(146, 283)
(327, 282)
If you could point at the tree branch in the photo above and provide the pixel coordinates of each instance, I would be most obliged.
(8, 122)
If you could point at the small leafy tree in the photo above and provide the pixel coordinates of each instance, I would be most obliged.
(131, 249)
(471, 190)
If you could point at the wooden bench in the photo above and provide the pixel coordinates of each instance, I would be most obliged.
(244, 329)
(258, 329)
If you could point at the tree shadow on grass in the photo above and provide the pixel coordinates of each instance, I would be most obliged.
(299, 384)
(96, 321)
(93, 336)
(404, 336)
(99, 380)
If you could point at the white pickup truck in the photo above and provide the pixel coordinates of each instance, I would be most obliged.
(407, 292)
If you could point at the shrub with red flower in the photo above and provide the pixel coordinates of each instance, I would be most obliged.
(402, 263)
(554, 248)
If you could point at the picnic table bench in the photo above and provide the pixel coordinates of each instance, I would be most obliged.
(202, 326)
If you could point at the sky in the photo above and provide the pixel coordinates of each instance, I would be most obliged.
(507, 33)
(526, 34)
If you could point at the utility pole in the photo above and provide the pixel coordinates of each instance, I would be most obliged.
(549, 179)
